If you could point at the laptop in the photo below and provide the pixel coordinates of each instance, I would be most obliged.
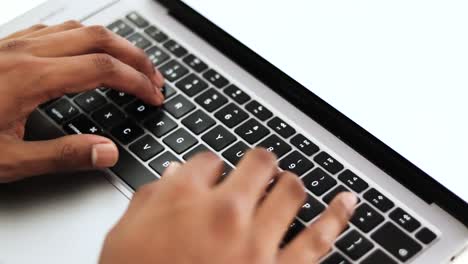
(368, 98)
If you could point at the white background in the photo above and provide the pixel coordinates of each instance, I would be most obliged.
(13, 8)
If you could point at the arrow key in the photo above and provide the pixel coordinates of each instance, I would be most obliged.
(146, 148)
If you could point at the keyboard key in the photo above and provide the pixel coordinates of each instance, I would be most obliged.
(146, 148)
(168, 91)
(328, 163)
(108, 116)
(304, 145)
(161, 163)
(252, 131)
(396, 242)
(157, 56)
(198, 149)
(404, 220)
(211, 100)
(296, 163)
(156, 34)
(140, 110)
(82, 125)
(180, 141)
(294, 229)
(354, 245)
(276, 145)
(353, 181)
(198, 122)
(138, 20)
(62, 111)
(121, 28)
(139, 41)
(425, 235)
(259, 111)
(90, 101)
(120, 98)
(127, 132)
(131, 171)
(191, 85)
(365, 218)
(48, 103)
(215, 78)
(237, 94)
(195, 63)
(219, 138)
(231, 115)
(378, 200)
(311, 208)
(160, 124)
(329, 197)
(173, 71)
(379, 257)
(318, 182)
(175, 48)
(281, 127)
(236, 152)
(335, 258)
(179, 106)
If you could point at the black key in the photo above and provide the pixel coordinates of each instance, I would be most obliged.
(198, 122)
(108, 116)
(173, 71)
(354, 245)
(168, 91)
(366, 218)
(90, 101)
(318, 182)
(82, 125)
(179, 106)
(160, 124)
(127, 132)
(259, 110)
(404, 220)
(236, 152)
(156, 34)
(231, 115)
(120, 98)
(281, 127)
(379, 257)
(62, 111)
(276, 145)
(175, 48)
(140, 110)
(121, 28)
(146, 148)
(103, 89)
(328, 163)
(396, 242)
(157, 56)
(252, 131)
(335, 258)
(329, 197)
(138, 20)
(191, 85)
(304, 145)
(237, 94)
(294, 229)
(139, 41)
(131, 171)
(71, 95)
(198, 149)
(161, 163)
(378, 200)
(311, 208)
(215, 78)
(195, 63)
(296, 163)
(425, 235)
(211, 100)
(219, 138)
(180, 141)
(47, 104)
(353, 181)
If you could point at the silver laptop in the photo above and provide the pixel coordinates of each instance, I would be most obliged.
(369, 98)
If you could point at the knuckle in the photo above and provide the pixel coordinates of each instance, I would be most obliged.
(100, 34)
(38, 27)
(263, 156)
(322, 242)
(104, 63)
(145, 192)
(14, 45)
(68, 154)
(230, 210)
(71, 24)
(294, 186)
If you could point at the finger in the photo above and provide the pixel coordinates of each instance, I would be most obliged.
(24, 32)
(317, 240)
(81, 73)
(278, 210)
(75, 152)
(68, 25)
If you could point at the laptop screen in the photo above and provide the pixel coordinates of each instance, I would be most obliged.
(397, 68)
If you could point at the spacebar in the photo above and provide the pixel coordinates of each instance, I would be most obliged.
(131, 171)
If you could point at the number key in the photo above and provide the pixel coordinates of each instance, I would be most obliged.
(276, 145)
(318, 182)
(296, 163)
(211, 100)
(231, 115)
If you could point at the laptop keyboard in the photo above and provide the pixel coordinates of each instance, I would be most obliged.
(204, 111)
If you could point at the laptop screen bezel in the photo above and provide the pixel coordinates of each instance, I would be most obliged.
(387, 159)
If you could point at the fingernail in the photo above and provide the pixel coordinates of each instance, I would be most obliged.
(104, 155)
(172, 168)
(349, 201)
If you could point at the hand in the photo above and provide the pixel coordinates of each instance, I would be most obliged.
(42, 63)
(186, 218)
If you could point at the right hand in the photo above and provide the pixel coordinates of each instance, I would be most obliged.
(187, 218)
